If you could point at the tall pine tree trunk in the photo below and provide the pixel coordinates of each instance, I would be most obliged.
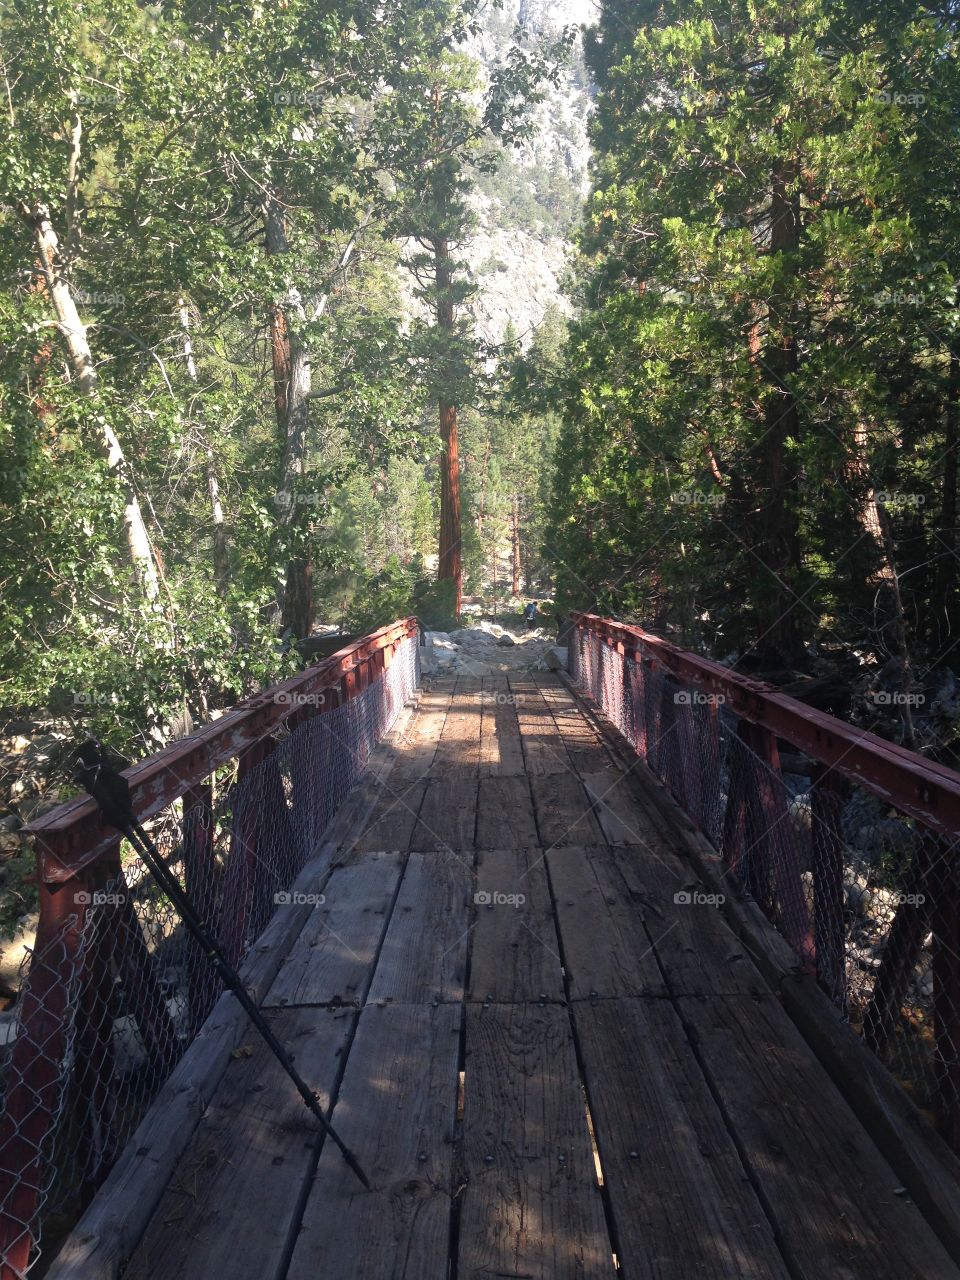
(450, 562)
(74, 333)
(780, 635)
(291, 378)
(945, 608)
(221, 557)
(515, 543)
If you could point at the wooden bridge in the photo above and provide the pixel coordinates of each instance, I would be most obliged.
(558, 1033)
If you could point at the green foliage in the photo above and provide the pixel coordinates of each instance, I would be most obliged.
(767, 284)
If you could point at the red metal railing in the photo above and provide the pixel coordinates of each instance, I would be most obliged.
(237, 808)
(849, 852)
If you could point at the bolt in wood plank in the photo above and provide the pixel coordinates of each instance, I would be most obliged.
(531, 1206)
(514, 954)
(682, 1204)
(397, 1111)
(424, 953)
(834, 1198)
(333, 957)
(229, 1206)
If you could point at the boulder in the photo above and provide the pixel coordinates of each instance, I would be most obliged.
(506, 640)
(473, 667)
(556, 658)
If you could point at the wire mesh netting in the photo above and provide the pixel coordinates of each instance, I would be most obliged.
(112, 1000)
(865, 894)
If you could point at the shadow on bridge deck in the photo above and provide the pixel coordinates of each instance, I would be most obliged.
(547, 1049)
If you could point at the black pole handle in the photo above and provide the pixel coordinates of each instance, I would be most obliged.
(112, 792)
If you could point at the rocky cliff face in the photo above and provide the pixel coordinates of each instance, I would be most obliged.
(527, 211)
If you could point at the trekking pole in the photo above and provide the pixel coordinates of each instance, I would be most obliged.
(111, 791)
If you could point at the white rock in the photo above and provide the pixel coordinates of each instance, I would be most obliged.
(472, 667)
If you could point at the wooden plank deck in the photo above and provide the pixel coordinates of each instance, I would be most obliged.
(551, 1064)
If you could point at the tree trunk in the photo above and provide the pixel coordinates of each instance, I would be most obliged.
(74, 334)
(515, 542)
(945, 596)
(779, 625)
(900, 625)
(482, 508)
(291, 379)
(221, 556)
(450, 563)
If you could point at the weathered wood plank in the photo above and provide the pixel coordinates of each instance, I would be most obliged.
(448, 815)
(833, 1197)
(505, 817)
(697, 950)
(682, 1204)
(424, 953)
(397, 1111)
(514, 953)
(458, 749)
(247, 1161)
(501, 752)
(606, 949)
(391, 823)
(584, 744)
(564, 810)
(622, 818)
(531, 1206)
(543, 750)
(332, 960)
(414, 752)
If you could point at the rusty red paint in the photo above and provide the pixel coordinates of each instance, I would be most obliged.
(74, 835)
(928, 791)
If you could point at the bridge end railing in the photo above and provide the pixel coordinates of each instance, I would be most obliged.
(845, 841)
(116, 990)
